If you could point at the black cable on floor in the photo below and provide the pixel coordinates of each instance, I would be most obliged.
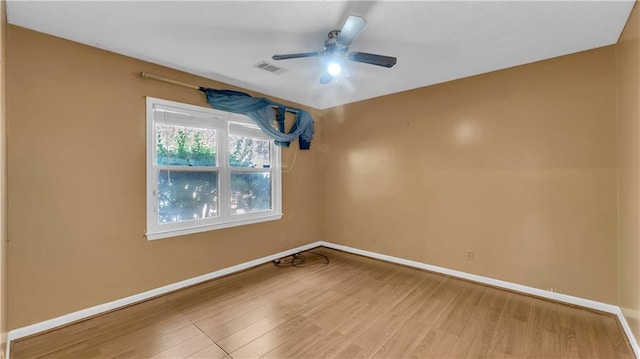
(321, 255)
(297, 260)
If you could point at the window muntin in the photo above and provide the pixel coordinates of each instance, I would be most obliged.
(207, 169)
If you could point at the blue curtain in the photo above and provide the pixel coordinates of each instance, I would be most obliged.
(261, 111)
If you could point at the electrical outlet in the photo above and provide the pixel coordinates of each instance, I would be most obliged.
(471, 255)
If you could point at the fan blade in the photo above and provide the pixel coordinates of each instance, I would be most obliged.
(297, 56)
(351, 29)
(326, 78)
(373, 59)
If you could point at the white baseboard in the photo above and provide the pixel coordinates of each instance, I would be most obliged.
(106, 307)
(119, 303)
(627, 330)
(604, 307)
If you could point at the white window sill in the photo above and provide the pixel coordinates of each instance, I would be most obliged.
(184, 231)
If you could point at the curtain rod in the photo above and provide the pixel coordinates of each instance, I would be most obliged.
(148, 76)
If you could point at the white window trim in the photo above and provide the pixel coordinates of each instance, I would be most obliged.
(220, 122)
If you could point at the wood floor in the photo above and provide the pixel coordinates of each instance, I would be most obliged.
(354, 307)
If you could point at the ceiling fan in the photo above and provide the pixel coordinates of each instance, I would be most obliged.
(338, 44)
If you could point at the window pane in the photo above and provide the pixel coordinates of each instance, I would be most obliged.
(249, 152)
(184, 195)
(185, 146)
(250, 192)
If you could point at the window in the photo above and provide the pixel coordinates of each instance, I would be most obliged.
(207, 169)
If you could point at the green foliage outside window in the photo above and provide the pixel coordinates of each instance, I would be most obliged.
(185, 195)
(184, 146)
(250, 192)
(248, 152)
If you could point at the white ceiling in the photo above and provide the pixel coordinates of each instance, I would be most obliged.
(433, 41)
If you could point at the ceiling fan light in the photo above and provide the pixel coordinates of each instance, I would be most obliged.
(334, 69)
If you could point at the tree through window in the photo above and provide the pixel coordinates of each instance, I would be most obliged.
(207, 169)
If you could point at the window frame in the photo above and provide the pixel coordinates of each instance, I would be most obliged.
(220, 121)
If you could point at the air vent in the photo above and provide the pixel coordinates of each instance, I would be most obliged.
(269, 67)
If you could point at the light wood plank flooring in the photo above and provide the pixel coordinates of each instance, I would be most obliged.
(354, 307)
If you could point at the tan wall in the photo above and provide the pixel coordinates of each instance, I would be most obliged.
(517, 165)
(628, 110)
(76, 178)
(3, 171)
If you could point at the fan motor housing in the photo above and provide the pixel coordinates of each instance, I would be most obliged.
(331, 44)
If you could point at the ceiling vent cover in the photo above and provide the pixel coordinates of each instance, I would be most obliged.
(269, 67)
